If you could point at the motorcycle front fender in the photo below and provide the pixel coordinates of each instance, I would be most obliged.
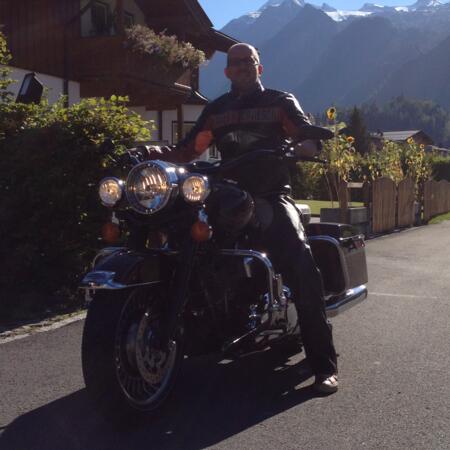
(122, 268)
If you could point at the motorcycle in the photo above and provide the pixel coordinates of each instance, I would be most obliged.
(193, 280)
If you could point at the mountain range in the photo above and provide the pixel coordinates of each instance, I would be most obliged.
(325, 56)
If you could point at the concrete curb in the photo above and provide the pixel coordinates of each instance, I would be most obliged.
(40, 327)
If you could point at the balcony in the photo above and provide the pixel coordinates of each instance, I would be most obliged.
(105, 65)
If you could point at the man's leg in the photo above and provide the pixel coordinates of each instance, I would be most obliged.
(284, 238)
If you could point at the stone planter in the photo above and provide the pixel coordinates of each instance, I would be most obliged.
(357, 216)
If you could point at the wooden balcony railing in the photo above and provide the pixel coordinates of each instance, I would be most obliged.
(105, 65)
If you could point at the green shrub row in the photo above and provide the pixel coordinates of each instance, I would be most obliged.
(441, 168)
(50, 165)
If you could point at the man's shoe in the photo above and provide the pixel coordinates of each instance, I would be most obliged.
(326, 384)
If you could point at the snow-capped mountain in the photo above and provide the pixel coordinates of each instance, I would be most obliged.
(340, 15)
(420, 5)
(280, 2)
(367, 51)
(327, 8)
(373, 8)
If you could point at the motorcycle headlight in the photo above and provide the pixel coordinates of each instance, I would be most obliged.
(110, 191)
(195, 189)
(151, 185)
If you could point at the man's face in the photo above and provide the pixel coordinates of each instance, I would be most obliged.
(243, 68)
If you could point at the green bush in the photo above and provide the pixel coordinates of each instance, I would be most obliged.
(50, 166)
(441, 168)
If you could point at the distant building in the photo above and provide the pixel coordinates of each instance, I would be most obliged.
(441, 151)
(419, 136)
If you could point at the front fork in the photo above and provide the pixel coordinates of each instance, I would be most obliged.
(178, 291)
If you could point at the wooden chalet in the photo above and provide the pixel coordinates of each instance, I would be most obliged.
(84, 42)
(418, 136)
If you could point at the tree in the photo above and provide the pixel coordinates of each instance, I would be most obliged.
(357, 128)
(402, 113)
(5, 80)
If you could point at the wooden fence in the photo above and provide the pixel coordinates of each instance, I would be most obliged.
(436, 198)
(406, 196)
(392, 206)
(384, 195)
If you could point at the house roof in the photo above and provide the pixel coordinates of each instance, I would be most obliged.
(399, 135)
(196, 98)
(222, 41)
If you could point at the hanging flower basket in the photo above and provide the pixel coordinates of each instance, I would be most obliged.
(168, 49)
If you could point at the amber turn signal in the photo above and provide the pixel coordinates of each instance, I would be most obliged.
(201, 231)
(110, 232)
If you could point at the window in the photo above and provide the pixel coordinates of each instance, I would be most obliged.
(213, 152)
(100, 18)
(187, 126)
(128, 19)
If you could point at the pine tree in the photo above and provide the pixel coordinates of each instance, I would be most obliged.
(357, 128)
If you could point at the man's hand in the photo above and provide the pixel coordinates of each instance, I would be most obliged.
(308, 148)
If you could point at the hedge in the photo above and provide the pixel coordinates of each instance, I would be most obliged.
(50, 217)
(441, 168)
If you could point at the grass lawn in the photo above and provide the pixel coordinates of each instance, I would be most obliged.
(439, 219)
(315, 205)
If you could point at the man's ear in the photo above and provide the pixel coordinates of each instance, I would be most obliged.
(260, 69)
(225, 71)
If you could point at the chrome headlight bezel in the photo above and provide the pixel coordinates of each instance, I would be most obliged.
(166, 170)
(120, 187)
(206, 187)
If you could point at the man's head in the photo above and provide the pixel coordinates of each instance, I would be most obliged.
(243, 66)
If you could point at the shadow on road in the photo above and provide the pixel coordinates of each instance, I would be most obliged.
(211, 403)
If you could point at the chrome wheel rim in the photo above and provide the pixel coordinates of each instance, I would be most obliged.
(143, 370)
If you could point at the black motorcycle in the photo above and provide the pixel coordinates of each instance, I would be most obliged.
(193, 280)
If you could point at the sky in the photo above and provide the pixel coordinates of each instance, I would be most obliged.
(222, 11)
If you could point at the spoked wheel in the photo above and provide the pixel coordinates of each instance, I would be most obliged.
(142, 367)
(126, 369)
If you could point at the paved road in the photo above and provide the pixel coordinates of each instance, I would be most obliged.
(394, 371)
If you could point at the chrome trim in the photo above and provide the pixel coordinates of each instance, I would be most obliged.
(261, 257)
(351, 298)
(105, 252)
(248, 266)
(104, 280)
(335, 242)
(171, 171)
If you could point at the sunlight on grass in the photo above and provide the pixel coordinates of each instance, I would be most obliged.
(439, 219)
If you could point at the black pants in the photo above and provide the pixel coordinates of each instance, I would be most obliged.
(283, 237)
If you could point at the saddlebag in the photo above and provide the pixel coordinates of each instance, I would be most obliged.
(339, 252)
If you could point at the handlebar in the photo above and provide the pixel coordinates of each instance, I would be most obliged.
(281, 154)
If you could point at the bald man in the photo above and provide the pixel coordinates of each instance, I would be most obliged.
(250, 117)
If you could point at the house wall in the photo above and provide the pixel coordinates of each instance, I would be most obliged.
(35, 32)
(53, 84)
(190, 113)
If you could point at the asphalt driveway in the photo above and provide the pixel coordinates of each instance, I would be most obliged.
(394, 372)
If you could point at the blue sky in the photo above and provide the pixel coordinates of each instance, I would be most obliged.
(222, 11)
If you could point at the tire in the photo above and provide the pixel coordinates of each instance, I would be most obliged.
(126, 376)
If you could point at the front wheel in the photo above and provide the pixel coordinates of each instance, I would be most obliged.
(126, 370)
